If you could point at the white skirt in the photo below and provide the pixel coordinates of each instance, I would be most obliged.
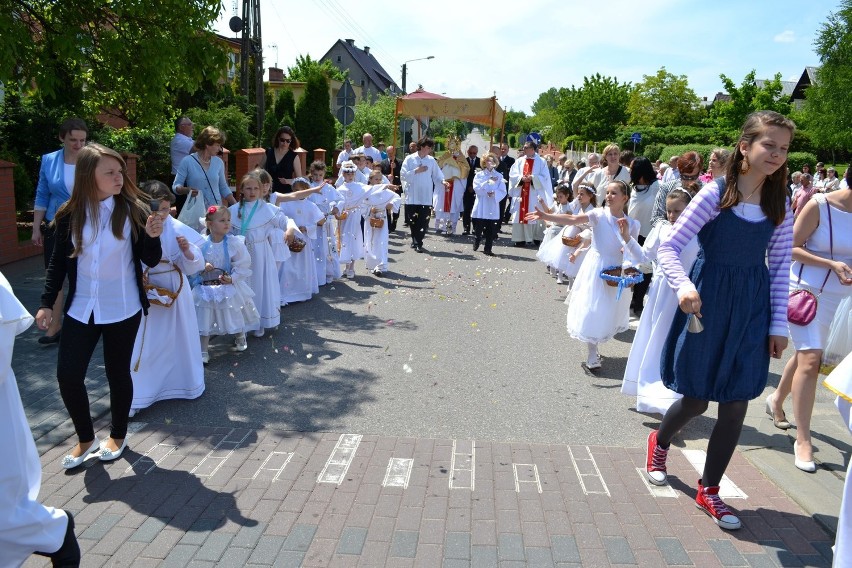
(225, 309)
(642, 374)
(594, 314)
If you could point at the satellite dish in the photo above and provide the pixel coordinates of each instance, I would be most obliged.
(236, 24)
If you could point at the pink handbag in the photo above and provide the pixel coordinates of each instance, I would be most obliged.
(802, 303)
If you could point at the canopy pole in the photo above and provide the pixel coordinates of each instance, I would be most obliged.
(493, 110)
(503, 128)
(396, 123)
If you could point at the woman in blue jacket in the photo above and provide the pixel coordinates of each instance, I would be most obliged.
(55, 182)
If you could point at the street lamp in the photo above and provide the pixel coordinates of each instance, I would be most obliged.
(405, 69)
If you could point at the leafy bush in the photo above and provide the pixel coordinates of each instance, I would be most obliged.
(652, 151)
(150, 144)
(24, 186)
(795, 160)
(673, 135)
(229, 119)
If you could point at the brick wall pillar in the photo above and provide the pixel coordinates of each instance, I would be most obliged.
(10, 249)
(302, 156)
(130, 160)
(319, 154)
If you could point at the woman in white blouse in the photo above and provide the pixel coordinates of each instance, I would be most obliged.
(103, 235)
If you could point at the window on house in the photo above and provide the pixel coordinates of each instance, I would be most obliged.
(362, 82)
(339, 59)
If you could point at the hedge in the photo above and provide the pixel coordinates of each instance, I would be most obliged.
(795, 161)
(703, 149)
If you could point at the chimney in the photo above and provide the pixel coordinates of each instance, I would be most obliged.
(367, 50)
(276, 74)
(350, 41)
(705, 99)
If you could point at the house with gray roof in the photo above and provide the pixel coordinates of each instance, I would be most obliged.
(364, 69)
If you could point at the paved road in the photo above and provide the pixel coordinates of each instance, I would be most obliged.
(453, 358)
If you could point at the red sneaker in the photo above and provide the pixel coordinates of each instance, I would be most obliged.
(709, 501)
(655, 463)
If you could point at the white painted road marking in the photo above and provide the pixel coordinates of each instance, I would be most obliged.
(588, 473)
(275, 457)
(340, 459)
(727, 488)
(463, 465)
(398, 472)
(656, 490)
(528, 474)
(217, 461)
(155, 455)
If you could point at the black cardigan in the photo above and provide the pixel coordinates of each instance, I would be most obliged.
(147, 250)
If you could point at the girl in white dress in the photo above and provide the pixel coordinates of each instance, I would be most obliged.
(595, 313)
(166, 361)
(556, 253)
(325, 245)
(298, 274)
(350, 239)
(255, 219)
(224, 302)
(276, 236)
(642, 375)
(552, 233)
(381, 202)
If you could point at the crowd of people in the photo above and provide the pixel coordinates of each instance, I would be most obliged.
(710, 250)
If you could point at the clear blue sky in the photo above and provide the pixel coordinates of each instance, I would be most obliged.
(519, 50)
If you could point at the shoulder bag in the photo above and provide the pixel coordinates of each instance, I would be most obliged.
(802, 304)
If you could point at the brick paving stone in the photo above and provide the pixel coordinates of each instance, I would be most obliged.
(760, 561)
(289, 559)
(248, 535)
(352, 540)
(112, 541)
(618, 550)
(320, 552)
(300, 538)
(727, 552)
(457, 545)
(100, 527)
(179, 556)
(535, 534)
(564, 549)
(673, 552)
(404, 544)
(510, 547)
(484, 533)
(429, 555)
(538, 556)
(375, 553)
(776, 550)
(149, 529)
(483, 556)
(266, 550)
(381, 529)
(214, 547)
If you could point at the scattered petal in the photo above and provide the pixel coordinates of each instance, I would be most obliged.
(407, 368)
(434, 356)
(309, 355)
(390, 322)
(474, 324)
(231, 375)
(493, 305)
(168, 420)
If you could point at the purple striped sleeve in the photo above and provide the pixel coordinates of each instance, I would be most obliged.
(779, 252)
(703, 208)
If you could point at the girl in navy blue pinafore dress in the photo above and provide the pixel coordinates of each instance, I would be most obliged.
(738, 220)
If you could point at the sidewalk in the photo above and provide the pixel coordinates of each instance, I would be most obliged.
(184, 495)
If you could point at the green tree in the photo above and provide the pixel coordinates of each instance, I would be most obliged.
(514, 123)
(314, 121)
(280, 113)
(746, 99)
(826, 110)
(375, 118)
(664, 99)
(122, 56)
(305, 67)
(595, 110)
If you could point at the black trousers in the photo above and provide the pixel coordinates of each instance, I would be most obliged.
(488, 228)
(468, 199)
(76, 346)
(637, 304)
(418, 222)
